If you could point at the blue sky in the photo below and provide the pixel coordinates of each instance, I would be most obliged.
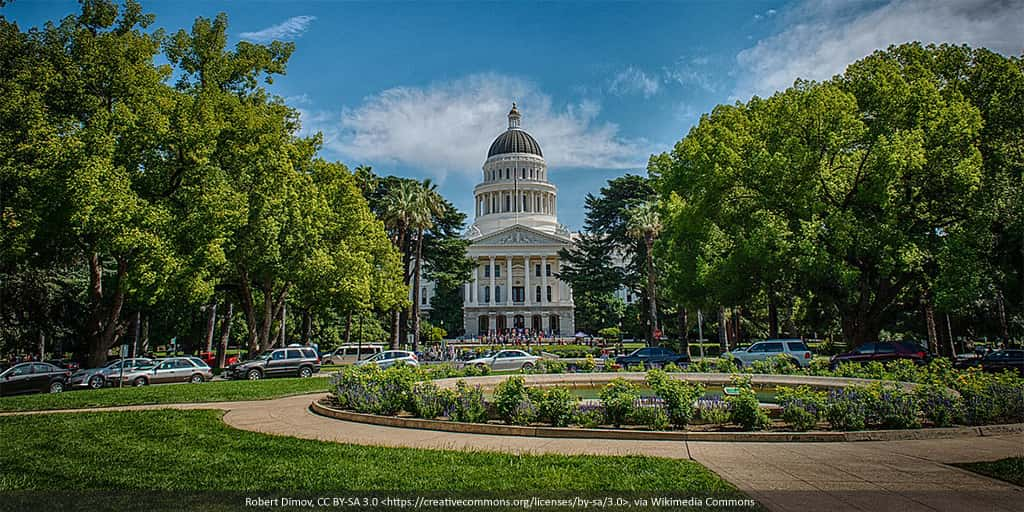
(421, 89)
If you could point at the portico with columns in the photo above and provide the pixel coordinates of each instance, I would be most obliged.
(515, 239)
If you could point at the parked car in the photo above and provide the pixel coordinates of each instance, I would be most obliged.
(210, 358)
(794, 349)
(1001, 360)
(506, 360)
(97, 378)
(66, 364)
(390, 358)
(970, 359)
(882, 351)
(346, 354)
(279, 362)
(171, 369)
(33, 378)
(652, 356)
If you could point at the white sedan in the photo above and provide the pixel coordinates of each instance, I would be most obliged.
(506, 360)
(390, 358)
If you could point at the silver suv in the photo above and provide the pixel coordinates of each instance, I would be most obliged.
(794, 349)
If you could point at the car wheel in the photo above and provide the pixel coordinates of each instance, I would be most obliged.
(527, 366)
(481, 366)
(56, 387)
(139, 382)
(739, 364)
(254, 375)
(196, 379)
(305, 372)
(97, 382)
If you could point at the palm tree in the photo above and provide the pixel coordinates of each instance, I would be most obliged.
(428, 204)
(645, 224)
(398, 211)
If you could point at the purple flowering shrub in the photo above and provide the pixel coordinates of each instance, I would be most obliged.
(802, 407)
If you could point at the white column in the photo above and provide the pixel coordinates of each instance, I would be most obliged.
(465, 295)
(475, 292)
(543, 280)
(491, 298)
(508, 293)
(527, 292)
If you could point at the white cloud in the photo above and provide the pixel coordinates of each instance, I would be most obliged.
(446, 127)
(288, 29)
(691, 72)
(634, 81)
(824, 36)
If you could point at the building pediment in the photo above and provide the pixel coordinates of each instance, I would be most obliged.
(520, 235)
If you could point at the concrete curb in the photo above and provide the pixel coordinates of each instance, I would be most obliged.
(645, 435)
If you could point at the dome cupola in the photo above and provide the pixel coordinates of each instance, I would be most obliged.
(515, 139)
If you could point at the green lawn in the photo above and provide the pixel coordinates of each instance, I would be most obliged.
(195, 450)
(1009, 470)
(217, 391)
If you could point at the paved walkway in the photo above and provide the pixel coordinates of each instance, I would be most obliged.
(904, 476)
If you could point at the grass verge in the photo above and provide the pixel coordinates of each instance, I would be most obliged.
(164, 450)
(1008, 470)
(217, 391)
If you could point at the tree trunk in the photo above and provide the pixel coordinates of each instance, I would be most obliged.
(348, 327)
(416, 292)
(394, 328)
(42, 345)
(652, 302)
(249, 309)
(307, 326)
(858, 330)
(211, 323)
(225, 335)
(737, 326)
(684, 342)
(723, 335)
(269, 313)
(929, 319)
(1004, 328)
(144, 341)
(773, 319)
(102, 326)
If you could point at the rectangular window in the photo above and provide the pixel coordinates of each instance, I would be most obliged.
(518, 294)
(538, 270)
(497, 294)
(548, 270)
(487, 271)
(497, 271)
(549, 294)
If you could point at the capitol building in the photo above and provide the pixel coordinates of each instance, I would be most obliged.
(515, 239)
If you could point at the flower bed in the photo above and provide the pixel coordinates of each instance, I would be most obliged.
(941, 397)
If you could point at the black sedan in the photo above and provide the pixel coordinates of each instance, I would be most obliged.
(652, 356)
(1001, 360)
(33, 378)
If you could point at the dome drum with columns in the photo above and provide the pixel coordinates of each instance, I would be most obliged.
(515, 239)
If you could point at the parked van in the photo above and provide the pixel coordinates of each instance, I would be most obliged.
(347, 354)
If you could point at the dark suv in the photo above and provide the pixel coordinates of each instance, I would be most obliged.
(279, 362)
(651, 357)
(882, 351)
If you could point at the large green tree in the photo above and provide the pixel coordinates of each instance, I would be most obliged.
(853, 194)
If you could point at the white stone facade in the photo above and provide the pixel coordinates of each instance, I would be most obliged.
(515, 239)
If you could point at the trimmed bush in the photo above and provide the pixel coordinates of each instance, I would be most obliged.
(429, 402)
(618, 397)
(469, 405)
(801, 406)
(557, 405)
(589, 364)
(650, 413)
(940, 405)
(746, 411)
(847, 409)
(589, 415)
(512, 402)
(678, 396)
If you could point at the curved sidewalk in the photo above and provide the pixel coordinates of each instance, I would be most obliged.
(905, 476)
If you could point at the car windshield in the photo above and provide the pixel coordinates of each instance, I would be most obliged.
(265, 355)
